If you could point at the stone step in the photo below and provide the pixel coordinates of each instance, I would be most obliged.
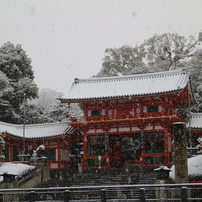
(100, 177)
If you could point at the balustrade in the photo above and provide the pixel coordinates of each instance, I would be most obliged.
(137, 192)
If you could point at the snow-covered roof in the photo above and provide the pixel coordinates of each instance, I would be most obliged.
(17, 169)
(195, 121)
(162, 168)
(37, 130)
(128, 86)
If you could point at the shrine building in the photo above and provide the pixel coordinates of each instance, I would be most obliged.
(60, 140)
(128, 119)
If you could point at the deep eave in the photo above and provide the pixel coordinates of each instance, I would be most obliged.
(127, 86)
(36, 131)
(66, 100)
(33, 138)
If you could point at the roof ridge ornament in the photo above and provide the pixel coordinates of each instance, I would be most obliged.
(184, 70)
(76, 80)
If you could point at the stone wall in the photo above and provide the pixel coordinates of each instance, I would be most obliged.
(34, 179)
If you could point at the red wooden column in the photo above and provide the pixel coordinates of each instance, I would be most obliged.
(10, 152)
(167, 126)
(59, 154)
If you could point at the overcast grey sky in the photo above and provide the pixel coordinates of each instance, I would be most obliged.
(67, 38)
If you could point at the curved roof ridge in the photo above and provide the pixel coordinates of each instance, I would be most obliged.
(8, 124)
(134, 76)
(37, 130)
(34, 125)
(127, 86)
(38, 125)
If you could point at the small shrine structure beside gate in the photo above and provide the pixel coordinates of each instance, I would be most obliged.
(129, 119)
(60, 141)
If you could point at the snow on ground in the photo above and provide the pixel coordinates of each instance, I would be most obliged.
(17, 169)
(194, 167)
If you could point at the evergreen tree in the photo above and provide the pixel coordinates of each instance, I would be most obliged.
(168, 51)
(16, 66)
(4, 87)
(46, 108)
(194, 66)
(159, 53)
(123, 61)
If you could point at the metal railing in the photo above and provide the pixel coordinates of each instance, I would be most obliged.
(140, 193)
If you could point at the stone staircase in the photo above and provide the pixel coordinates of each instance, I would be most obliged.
(130, 174)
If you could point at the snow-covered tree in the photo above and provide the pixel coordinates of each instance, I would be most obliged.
(168, 51)
(16, 65)
(46, 108)
(47, 97)
(159, 53)
(198, 97)
(195, 68)
(125, 60)
(4, 87)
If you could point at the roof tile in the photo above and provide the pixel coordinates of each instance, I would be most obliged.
(37, 130)
(125, 86)
(195, 121)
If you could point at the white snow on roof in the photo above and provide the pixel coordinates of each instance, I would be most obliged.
(194, 167)
(195, 121)
(37, 130)
(162, 168)
(17, 169)
(126, 86)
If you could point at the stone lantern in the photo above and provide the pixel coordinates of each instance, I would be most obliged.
(162, 178)
(8, 178)
(163, 172)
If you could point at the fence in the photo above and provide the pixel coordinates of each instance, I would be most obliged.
(118, 193)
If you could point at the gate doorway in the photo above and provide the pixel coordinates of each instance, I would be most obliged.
(131, 148)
